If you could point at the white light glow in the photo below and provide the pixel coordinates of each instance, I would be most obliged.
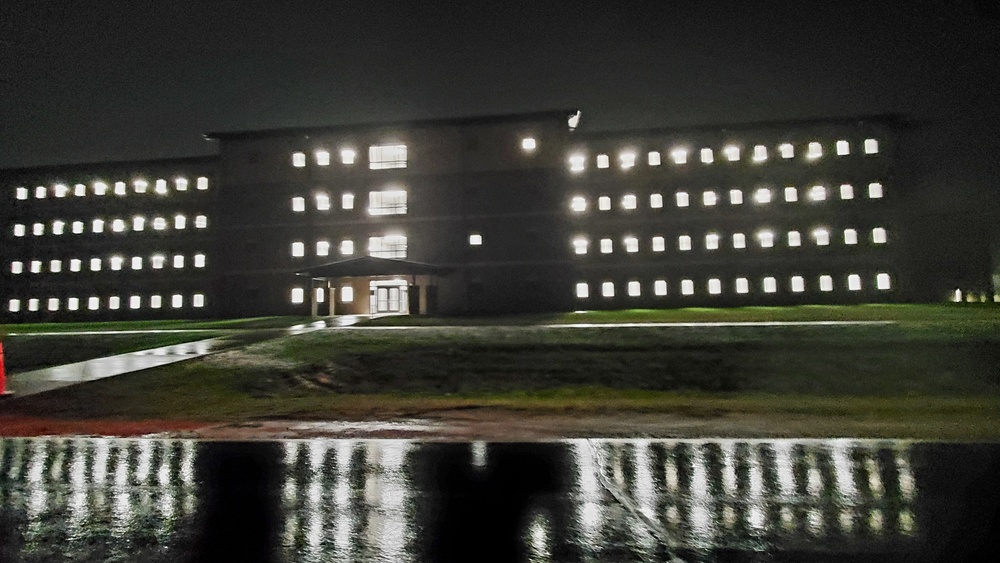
(136, 262)
(95, 264)
(578, 204)
(660, 288)
(157, 261)
(765, 239)
(879, 235)
(14, 305)
(176, 301)
(346, 200)
(817, 193)
(604, 203)
(322, 202)
(582, 290)
(93, 303)
(41, 192)
(843, 147)
(55, 266)
(348, 156)
(826, 283)
(679, 156)
(161, 187)
(322, 158)
(683, 200)
(709, 198)
(346, 294)
(742, 285)
(118, 225)
(79, 190)
(762, 195)
(19, 230)
(202, 183)
(626, 160)
(580, 245)
(732, 153)
(655, 201)
(181, 184)
(475, 239)
(180, 222)
(687, 287)
(121, 189)
(53, 304)
(821, 236)
(871, 146)
(159, 223)
(33, 304)
(529, 144)
(201, 222)
(770, 285)
(75, 265)
(139, 186)
(178, 261)
(714, 286)
(298, 204)
(759, 153)
(791, 194)
(346, 247)
(659, 244)
(199, 260)
(298, 249)
(854, 282)
(21, 193)
(846, 191)
(631, 244)
(603, 161)
(35, 267)
(117, 262)
(114, 303)
(58, 226)
(608, 289)
(38, 229)
(712, 241)
(883, 282)
(16, 267)
(134, 302)
(794, 238)
(706, 155)
(736, 197)
(798, 284)
(786, 150)
(138, 223)
(850, 236)
(299, 159)
(653, 158)
(814, 151)
(382, 157)
(577, 163)
(60, 190)
(322, 248)
(606, 246)
(874, 190)
(198, 300)
(155, 302)
(684, 242)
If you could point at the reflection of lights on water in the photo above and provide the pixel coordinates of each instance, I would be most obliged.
(847, 520)
(100, 471)
(670, 473)
(874, 477)
(728, 467)
(907, 485)
(57, 462)
(814, 521)
(755, 511)
(645, 492)
(843, 468)
(787, 519)
(728, 517)
(479, 454)
(702, 522)
(538, 537)
(37, 466)
(187, 462)
(906, 522)
(814, 481)
(145, 460)
(783, 465)
(875, 520)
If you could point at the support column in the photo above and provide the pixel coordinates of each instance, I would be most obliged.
(313, 305)
(332, 296)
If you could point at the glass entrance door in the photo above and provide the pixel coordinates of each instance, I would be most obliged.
(389, 297)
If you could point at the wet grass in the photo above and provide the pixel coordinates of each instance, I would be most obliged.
(172, 324)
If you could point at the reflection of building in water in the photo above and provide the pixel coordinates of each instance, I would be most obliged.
(724, 493)
(345, 500)
(98, 495)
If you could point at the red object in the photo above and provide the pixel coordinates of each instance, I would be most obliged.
(3, 375)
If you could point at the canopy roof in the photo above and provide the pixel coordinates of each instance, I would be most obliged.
(372, 266)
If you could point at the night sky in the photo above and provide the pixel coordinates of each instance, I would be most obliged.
(88, 81)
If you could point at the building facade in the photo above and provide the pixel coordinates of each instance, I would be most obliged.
(482, 215)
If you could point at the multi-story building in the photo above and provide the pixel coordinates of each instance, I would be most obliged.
(469, 215)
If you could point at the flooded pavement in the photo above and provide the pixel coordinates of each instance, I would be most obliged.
(146, 499)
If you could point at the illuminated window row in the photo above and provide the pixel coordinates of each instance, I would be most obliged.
(138, 223)
(384, 202)
(298, 295)
(379, 157)
(159, 186)
(388, 246)
(812, 151)
(735, 196)
(113, 263)
(113, 303)
(742, 286)
(714, 241)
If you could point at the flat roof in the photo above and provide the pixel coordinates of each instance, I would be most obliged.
(889, 119)
(91, 166)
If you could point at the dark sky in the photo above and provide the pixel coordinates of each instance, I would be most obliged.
(83, 81)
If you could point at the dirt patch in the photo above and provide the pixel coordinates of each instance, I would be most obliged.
(11, 426)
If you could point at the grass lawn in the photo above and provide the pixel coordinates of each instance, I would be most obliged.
(170, 324)
(933, 374)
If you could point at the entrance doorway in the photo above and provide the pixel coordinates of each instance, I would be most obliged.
(389, 297)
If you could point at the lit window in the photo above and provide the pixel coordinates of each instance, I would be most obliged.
(765, 238)
(299, 159)
(660, 288)
(871, 146)
(117, 262)
(346, 294)
(19, 230)
(120, 189)
(770, 285)
(709, 198)
(846, 191)
(815, 150)
(75, 265)
(759, 153)
(159, 223)
(53, 304)
(199, 260)
(843, 147)
(201, 222)
(653, 158)
(604, 203)
(98, 226)
(687, 287)
(155, 302)
(77, 227)
(475, 239)
(60, 190)
(603, 161)
(679, 156)
(179, 261)
(388, 202)
(580, 245)
(57, 227)
(180, 222)
(578, 204)
(41, 192)
(136, 262)
(114, 303)
(826, 283)
(629, 201)
(22, 193)
(627, 160)
(817, 193)
(655, 201)
(177, 301)
(14, 305)
(134, 302)
(181, 184)
(732, 153)
(322, 248)
(577, 163)
(298, 249)
(854, 282)
(875, 190)
(711, 241)
(16, 267)
(529, 144)
(684, 242)
(322, 202)
(606, 246)
(157, 261)
(198, 300)
(631, 244)
(36, 266)
(682, 199)
(634, 289)
(878, 235)
(706, 156)
(320, 294)
(762, 195)
(659, 244)
(736, 197)
(791, 194)
(38, 229)
(161, 187)
(794, 238)
(388, 246)
(798, 284)
(138, 223)
(347, 156)
(714, 286)
(850, 236)
(822, 237)
(346, 200)
(582, 290)
(95, 264)
(118, 225)
(298, 204)
(79, 190)
(32, 304)
(93, 303)
(140, 186)
(322, 158)
(739, 240)
(608, 289)
(883, 282)
(346, 247)
(742, 285)
(381, 157)
(202, 183)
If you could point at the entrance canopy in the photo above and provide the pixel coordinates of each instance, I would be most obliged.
(372, 266)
